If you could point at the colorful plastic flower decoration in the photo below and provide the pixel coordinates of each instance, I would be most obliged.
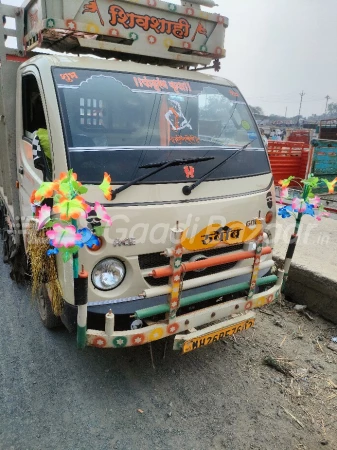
(63, 236)
(105, 186)
(323, 214)
(68, 206)
(87, 238)
(284, 187)
(71, 209)
(285, 212)
(316, 201)
(69, 187)
(46, 190)
(306, 204)
(330, 184)
(44, 216)
(102, 214)
(53, 251)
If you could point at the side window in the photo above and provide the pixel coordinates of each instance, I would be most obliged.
(32, 107)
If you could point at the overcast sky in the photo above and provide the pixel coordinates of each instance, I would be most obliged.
(277, 48)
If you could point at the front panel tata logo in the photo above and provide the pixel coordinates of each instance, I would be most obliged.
(215, 234)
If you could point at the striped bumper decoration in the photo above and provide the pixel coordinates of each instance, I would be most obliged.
(174, 323)
(182, 323)
(175, 280)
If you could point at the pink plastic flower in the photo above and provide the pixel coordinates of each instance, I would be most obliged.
(44, 216)
(284, 194)
(102, 214)
(63, 236)
(324, 214)
(298, 205)
(316, 201)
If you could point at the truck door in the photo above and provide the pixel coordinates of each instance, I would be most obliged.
(31, 117)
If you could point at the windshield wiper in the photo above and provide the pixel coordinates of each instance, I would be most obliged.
(158, 168)
(188, 189)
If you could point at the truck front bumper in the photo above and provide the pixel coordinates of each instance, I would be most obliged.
(185, 322)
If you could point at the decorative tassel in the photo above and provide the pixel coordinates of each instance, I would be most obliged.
(43, 267)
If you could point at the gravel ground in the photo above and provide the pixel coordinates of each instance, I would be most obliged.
(219, 397)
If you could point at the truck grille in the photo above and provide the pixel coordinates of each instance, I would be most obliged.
(154, 260)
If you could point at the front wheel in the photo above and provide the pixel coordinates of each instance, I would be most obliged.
(4, 235)
(48, 318)
(5, 248)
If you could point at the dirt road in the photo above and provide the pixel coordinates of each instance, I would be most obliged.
(220, 397)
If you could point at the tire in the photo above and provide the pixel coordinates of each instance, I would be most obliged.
(4, 236)
(5, 248)
(48, 318)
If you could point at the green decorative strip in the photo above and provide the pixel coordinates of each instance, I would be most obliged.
(75, 265)
(187, 301)
(81, 337)
(75, 256)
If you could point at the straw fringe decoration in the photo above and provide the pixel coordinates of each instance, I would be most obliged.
(43, 267)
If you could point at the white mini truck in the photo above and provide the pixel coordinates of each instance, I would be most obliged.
(189, 252)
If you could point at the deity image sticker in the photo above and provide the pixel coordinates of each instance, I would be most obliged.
(176, 118)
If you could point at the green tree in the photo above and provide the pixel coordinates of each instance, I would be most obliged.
(257, 110)
(332, 110)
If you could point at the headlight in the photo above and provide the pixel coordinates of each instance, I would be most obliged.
(108, 274)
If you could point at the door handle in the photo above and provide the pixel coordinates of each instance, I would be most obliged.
(20, 170)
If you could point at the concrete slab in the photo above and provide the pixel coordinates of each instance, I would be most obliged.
(313, 276)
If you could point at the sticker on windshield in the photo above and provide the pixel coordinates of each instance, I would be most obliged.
(251, 135)
(185, 139)
(69, 77)
(245, 125)
(189, 171)
(176, 118)
(233, 93)
(158, 84)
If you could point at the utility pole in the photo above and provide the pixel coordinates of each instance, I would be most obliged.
(286, 112)
(327, 101)
(299, 112)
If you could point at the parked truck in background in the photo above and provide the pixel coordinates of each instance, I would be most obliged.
(192, 186)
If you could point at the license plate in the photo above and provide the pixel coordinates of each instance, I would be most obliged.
(210, 338)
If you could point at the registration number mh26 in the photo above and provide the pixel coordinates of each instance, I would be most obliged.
(215, 336)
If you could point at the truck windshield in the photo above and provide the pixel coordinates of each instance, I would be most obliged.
(116, 122)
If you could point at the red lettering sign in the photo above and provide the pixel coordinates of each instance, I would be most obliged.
(233, 93)
(129, 20)
(184, 139)
(159, 84)
(69, 76)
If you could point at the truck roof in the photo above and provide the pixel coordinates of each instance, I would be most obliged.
(45, 62)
